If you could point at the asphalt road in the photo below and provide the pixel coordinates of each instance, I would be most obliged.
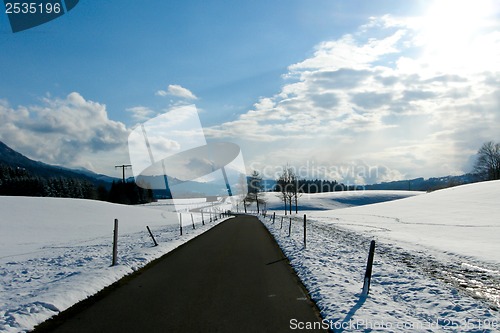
(233, 278)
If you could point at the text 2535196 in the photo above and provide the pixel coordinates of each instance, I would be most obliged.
(32, 8)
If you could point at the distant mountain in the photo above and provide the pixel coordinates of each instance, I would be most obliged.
(92, 174)
(12, 158)
(181, 189)
(421, 184)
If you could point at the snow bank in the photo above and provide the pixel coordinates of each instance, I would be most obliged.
(56, 252)
(436, 267)
(462, 220)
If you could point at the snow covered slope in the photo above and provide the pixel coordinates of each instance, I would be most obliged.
(337, 200)
(55, 252)
(32, 224)
(436, 268)
(463, 220)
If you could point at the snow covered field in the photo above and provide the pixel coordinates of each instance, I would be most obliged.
(437, 260)
(336, 200)
(55, 252)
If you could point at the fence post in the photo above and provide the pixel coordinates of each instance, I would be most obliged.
(202, 218)
(115, 243)
(274, 217)
(192, 220)
(281, 226)
(153, 237)
(369, 265)
(180, 219)
(290, 228)
(304, 231)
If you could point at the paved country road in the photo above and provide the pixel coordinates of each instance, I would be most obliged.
(232, 278)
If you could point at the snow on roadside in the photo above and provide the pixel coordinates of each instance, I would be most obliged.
(57, 252)
(417, 285)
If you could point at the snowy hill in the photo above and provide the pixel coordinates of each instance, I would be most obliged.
(437, 261)
(463, 220)
(55, 252)
(337, 200)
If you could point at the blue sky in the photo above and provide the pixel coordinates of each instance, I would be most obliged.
(341, 86)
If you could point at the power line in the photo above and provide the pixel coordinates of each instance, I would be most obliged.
(123, 166)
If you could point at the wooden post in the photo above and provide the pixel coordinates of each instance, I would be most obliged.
(369, 265)
(245, 206)
(304, 231)
(115, 243)
(290, 228)
(202, 218)
(180, 219)
(274, 217)
(281, 226)
(192, 220)
(153, 237)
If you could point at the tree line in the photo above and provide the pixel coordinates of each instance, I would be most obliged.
(289, 188)
(15, 181)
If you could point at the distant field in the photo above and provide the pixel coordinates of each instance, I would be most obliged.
(337, 200)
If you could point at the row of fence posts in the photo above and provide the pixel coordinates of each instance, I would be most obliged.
(220, 214)
(371, 253)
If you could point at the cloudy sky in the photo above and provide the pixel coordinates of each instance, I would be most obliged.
(358, 91)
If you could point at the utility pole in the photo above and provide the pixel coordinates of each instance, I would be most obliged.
(123, 166)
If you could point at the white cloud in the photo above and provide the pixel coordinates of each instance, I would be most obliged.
(377, 97)
(141, 113)
(67, 131)
(177, 91)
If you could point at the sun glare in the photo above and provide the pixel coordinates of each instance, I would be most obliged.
(451, 28)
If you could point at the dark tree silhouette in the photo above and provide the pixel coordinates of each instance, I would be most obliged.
(488, 161)
(255, 190)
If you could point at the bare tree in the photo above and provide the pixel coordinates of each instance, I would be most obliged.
(296, 192)
(242, 190)
(287, 184)
(291, 188)
(255, 190)
(281, 186)
(488, 161)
